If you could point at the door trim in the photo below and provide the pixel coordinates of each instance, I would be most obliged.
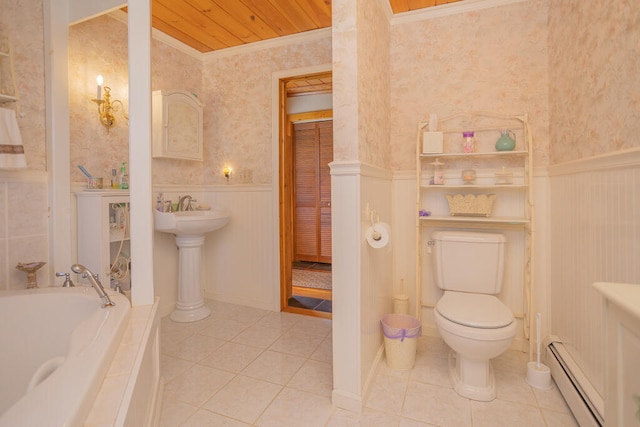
(279, 122)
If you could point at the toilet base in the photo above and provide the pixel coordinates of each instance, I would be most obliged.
(472, 379)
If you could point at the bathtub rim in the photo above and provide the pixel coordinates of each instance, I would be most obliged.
(63, 407)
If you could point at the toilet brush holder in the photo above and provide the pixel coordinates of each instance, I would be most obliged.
(538, 376)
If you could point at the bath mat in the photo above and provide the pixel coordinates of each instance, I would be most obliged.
(312, 279)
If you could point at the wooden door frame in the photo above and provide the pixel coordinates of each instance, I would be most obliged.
(285, 191)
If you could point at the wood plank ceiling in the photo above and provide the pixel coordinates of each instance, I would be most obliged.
(208, 25)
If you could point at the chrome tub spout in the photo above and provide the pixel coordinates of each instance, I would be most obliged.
(93, 279)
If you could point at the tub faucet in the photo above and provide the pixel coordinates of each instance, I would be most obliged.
(68, 283)
(87, 274)
(181, 206)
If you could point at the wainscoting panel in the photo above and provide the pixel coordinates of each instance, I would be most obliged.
(595, 237)
(242, 264)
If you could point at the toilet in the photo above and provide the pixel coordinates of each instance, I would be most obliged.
(474, 323)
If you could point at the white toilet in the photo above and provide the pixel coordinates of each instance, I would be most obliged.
(471, 320)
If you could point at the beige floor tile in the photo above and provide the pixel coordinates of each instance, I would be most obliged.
(295, 408)
(368, 417)
(172, 366)
(195, 348)
(247, 314)
(313, 326)
(280, 321)
(551, 399)
(500, 413)
(512, 361)
(258, 336)
(406, 422)
(297, 343)
(224, 329)
(174, 413)
(513, 387)
(385, 369)
(204, 418)
(436, 405)
(261, 368)
(274, 367)
(324, 352)
(432, 370)
(387, 394)
(558, 419)
(430, 347)
(314, 377)
(232, 357)
(197, 384)
(243, 398)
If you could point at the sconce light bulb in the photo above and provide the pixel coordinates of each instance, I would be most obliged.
(99, 79)
(227, 172)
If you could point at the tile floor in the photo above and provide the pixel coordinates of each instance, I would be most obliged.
(249, 367)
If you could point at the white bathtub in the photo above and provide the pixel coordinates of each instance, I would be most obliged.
(56, 346)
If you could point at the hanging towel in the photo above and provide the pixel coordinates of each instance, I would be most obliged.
(11, 149)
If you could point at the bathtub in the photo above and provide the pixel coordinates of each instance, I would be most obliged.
(57, 344)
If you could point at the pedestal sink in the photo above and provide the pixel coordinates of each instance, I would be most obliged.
(189, 229)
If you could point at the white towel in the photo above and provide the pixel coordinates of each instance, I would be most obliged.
(11, 149)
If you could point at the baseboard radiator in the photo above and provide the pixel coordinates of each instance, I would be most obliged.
(585, 403)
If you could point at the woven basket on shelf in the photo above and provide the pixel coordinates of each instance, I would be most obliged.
(470, 204)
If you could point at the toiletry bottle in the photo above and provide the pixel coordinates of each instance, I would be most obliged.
(160, 203)
(114, 179)
(124, 179)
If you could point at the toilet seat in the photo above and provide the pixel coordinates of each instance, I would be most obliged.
(474, 310)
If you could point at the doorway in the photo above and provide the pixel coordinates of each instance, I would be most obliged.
(305, 150)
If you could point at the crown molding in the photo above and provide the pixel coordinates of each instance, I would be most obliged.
(121, 16)
(304, 37)
(448, 9)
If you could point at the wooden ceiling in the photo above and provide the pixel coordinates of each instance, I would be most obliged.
(209, 25)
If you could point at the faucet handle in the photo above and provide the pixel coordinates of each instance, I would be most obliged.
(68, 283)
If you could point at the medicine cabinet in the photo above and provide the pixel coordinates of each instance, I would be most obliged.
(176, 125)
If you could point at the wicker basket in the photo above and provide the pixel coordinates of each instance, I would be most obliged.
(470, 204)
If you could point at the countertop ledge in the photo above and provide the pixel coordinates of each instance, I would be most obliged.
(625, 295)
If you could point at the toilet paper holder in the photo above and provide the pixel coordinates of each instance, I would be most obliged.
(375, 234)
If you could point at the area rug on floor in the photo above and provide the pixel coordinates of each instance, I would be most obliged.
(312, 279)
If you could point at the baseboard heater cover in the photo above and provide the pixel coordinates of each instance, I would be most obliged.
(586, 412)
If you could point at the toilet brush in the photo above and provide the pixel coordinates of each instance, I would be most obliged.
(538, 374)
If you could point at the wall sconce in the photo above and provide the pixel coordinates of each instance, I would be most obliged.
(227, 172)
(106, 107)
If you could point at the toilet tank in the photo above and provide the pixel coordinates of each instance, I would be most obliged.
(468, 261)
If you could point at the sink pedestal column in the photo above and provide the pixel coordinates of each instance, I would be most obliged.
(190, 306)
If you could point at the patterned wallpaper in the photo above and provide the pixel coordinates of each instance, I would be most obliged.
(373, 84)
(22, 21)
(238, 108)
(594, 75)
(489, 60)
(345, 79)
(99, 46)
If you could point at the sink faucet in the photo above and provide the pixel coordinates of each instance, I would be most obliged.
(93, 278)
(181, 206)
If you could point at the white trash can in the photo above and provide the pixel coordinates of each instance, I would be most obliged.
(401, 333)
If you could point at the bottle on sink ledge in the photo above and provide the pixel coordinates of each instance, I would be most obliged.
(123, 179)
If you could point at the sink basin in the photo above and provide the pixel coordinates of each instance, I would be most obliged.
(190, 223)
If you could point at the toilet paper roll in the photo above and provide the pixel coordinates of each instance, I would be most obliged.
(379, 235)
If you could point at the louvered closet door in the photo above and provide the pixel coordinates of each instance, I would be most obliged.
(313, 151)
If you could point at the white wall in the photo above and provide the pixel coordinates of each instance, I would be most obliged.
(595, 237)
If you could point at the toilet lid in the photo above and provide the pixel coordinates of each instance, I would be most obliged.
(475, 310)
